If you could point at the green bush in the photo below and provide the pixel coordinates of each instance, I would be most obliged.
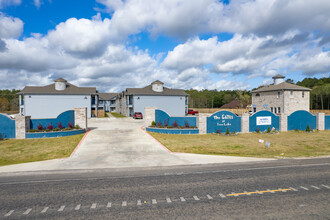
(153, 123)
(77, 127)
(56, 129)
(268, 129)
(67, 129)
(227, 132)
(308, 129)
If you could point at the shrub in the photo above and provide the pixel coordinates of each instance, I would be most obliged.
(59, 125)
(258, 130)
(268, 129)
(175, 124)
(56, 129)
(186, 124)
(77, 127)
(182, 127)
(169, 126)
(70, 125)
(218, 131)
(40, 127)
(159, 124)
(67, 129)
(47, 130)
(153, 123)
(308, 129)
(50, 126)
(166, 122)
(227, 132)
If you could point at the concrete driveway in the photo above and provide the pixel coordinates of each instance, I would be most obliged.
(118, 143)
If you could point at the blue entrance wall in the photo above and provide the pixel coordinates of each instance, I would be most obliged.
(327, 122)
(275, 121)
(173, 131)
(219, 121)
(7, 127)
(162, 117)
(65, 118)
(300, 119)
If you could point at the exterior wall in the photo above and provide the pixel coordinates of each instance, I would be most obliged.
(173, 131)
(297, 102)
(149, 116)
(300, 119)
(275, 121)
(320, 117)
(267, 98)
(54, 134)
(220, 121)
(162, 117)
(80, 117)
(245, 125)
(50, 106)
(202, 122)
(327, 122)
(22, 124)
(7, 127)
(173, 105)
(65, 118)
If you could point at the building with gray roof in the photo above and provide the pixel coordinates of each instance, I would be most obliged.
(107, 101)
(173, 101)
(280, 97)
(51, 100)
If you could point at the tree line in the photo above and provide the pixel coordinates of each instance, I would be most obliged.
(9, 100)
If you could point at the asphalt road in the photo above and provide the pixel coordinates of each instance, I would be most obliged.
(283, 189)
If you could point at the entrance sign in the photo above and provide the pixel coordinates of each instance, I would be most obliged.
(220, 121)
(264, 120)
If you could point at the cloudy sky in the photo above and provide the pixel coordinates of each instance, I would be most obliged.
(201, 44)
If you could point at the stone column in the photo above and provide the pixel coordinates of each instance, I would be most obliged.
(320, 121)
(202, 123)
(22, 124)
(80, 117)
(283, 122)
(245, 123)
(149, 115)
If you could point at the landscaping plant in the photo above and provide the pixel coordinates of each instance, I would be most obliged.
(70, 125)
(40, 127)
(308, 129)
(166, 122)
(50, 126)
(159, 124)
(187, 124)
(175, 124)
(153, 123)
(227, 132)
(59, 125)
(268, 129)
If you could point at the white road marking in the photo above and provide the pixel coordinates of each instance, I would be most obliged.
(259, 192)
(328, 187)
(138, 202)
(293, 189)
(168, 200)
(222, 195)
(44, 210)
(154, 201)
(209, 197)
(109, 205)
(282, 190)
(315, 187)
(196, 198)
(249, 194)
(304, 188)
(9, 213)
(77, 207)
(124, 203)
(27, 212)
(182, 199)
(93, 206)
(61, 208)
(270, 191)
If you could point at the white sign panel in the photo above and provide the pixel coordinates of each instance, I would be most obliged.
(264, 120)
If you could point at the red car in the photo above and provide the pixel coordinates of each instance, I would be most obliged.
(192, 112)
(137, 115)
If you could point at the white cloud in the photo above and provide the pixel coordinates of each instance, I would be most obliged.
(37, 3)
(10, 27)
(5, 3)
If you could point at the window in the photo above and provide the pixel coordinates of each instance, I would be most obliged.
(275, 110)
(257, 94)
(278, 94)
(291, 94)
(271, 109)
(303, 94)
(254, 109)
(279, 110)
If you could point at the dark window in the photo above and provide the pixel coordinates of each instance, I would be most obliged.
(271, 109)
(279, 110)
(257, 94)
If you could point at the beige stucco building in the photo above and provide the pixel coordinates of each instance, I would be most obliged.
(280, 97)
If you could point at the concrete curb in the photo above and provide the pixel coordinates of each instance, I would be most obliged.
(80, 143)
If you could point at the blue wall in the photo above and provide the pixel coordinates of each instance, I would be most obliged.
(275, 121)
(327, 122)
(300, 119)
(161, 116)
(53, 134)
(173, 131)
(221, 120)
(64, 118)
(7, 127)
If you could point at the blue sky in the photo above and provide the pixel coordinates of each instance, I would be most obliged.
(201, 44)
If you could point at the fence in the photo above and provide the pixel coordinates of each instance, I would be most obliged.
(163, 119)
(64, 118)
(7, 127)
(300, 119)
(262, 120)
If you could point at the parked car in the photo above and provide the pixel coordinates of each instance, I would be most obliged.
(137, 115)
(192, 112)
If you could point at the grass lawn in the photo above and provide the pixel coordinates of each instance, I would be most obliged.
(115, 114)
(285, 144)
(14, 151)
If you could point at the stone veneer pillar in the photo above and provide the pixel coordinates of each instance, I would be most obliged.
(320, 121)
(22, 124)
(283, 122)
(149, 115)
(80, 117)
(245, 123)
(202, 123)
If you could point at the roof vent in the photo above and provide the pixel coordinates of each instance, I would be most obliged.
(60, 84)
(278, 79)
(157, 86)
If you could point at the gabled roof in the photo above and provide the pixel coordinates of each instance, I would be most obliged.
(50, 89)
(107, 96)
(148, 91)
(278, 76)
(157, 82)
(234, 104)
(281, 86)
